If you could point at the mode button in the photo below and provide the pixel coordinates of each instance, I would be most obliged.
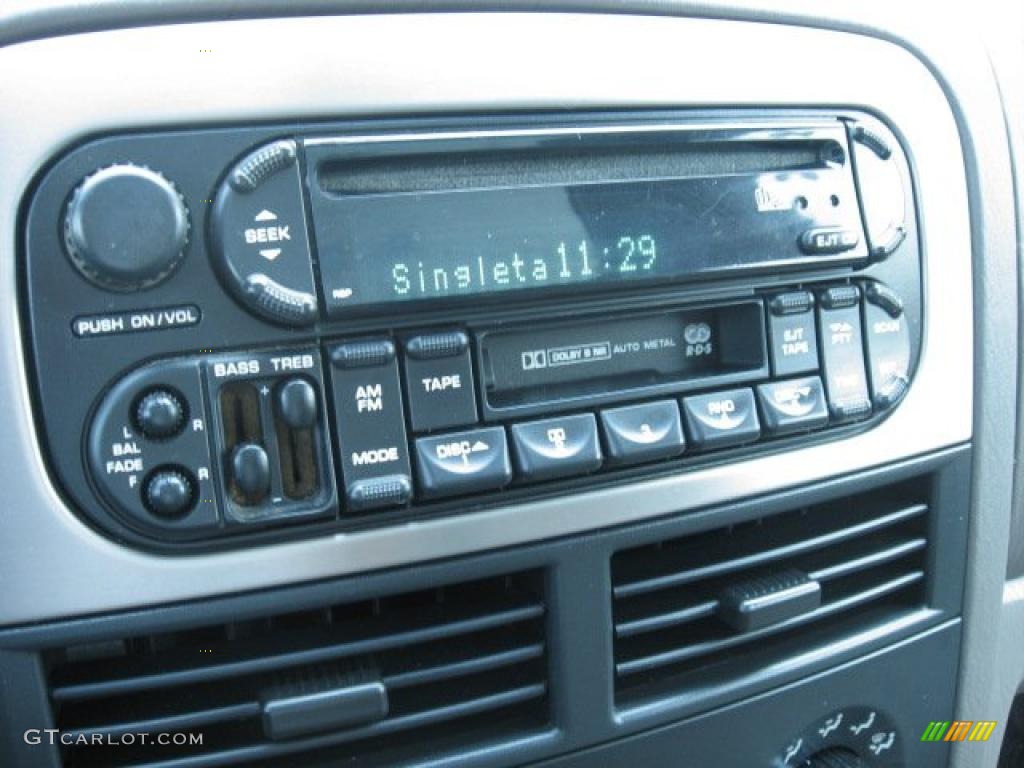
(371, 424)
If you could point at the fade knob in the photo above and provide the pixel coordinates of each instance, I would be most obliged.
(126, 227)
(169, 493)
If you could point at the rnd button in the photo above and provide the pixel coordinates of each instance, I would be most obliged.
(371, 423)
(439, 381)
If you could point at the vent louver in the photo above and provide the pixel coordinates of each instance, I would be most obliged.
(389, 681)
(697, 611)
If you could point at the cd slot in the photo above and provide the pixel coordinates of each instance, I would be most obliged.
(583, 363)
(504, 169)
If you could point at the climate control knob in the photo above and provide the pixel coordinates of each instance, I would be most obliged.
(126, 227)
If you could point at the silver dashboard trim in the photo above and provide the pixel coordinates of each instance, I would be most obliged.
(358, 65)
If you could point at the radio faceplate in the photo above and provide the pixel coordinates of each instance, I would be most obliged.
(564, 386)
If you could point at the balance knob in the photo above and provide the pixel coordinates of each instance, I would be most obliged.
(126, 227)
(160, 415)
(169, 493)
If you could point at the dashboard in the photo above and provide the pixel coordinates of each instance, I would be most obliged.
(436, 388)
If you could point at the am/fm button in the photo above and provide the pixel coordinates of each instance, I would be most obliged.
(371, 424)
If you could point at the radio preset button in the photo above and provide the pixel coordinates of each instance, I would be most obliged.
(793, 406)
(888, 345)
(645, 432)
(793, 340)
(463, 462)
(842, 350)
(721, 419)
(439, 381)
(559, 447)
(370, 420)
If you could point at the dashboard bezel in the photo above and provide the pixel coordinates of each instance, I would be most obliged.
(865, 73)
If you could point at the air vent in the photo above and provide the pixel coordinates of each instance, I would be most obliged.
(696, 612)
(397, 680)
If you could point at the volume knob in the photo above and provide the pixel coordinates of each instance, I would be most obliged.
(126, 227)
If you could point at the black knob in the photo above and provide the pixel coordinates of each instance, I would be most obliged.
(160, 414)
(296, 401)
(126, 227)
(836, 757)
(250, 473)
(169, 493)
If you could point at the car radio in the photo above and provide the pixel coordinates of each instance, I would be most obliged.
(279, 330)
